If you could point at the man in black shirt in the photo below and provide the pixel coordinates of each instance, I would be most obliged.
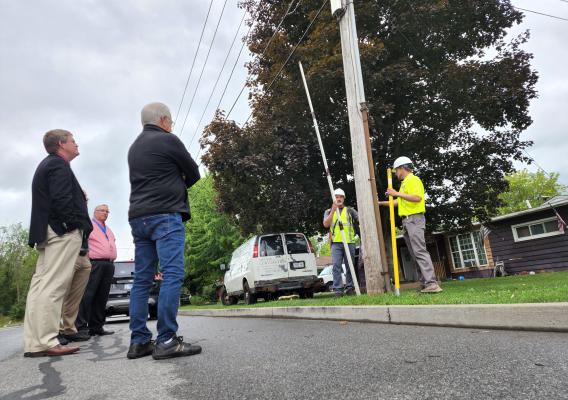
(161, 171)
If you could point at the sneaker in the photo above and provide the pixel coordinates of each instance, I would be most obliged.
(176, 348)
(80, 336)
(432, 288)
(137, 350)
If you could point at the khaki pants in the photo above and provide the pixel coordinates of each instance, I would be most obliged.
(72, 300)
(50, 282)
(414, 226)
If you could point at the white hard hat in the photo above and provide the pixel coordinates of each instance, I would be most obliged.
(401, 161)
(339, 192)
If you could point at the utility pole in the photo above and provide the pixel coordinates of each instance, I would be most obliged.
(374, 254)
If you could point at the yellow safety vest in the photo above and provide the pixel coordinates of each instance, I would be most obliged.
(347, 221)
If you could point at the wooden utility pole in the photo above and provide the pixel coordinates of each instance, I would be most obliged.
(374, 255)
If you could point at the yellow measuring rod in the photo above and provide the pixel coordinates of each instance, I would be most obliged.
(393, 237)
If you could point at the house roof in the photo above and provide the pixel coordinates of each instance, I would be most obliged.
(556, 201)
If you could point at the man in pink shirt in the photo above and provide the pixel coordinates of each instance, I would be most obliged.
(102, 253)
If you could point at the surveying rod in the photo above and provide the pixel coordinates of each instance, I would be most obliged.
(330, 183)
(393, 237)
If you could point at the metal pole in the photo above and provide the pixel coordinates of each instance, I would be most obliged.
(330, 183)
(393, 237)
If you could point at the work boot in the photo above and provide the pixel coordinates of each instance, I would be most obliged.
(175, 347)
(137, 350)
(432, 288)
(350, 292)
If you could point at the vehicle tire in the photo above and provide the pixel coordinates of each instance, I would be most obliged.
(226, 300)
(250, 298)
(309, 293)
(329, 287)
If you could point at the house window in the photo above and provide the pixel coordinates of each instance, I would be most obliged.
(536, 229)
(468, 250)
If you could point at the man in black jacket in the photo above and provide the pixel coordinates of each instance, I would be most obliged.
(161, 171)
(58, 223)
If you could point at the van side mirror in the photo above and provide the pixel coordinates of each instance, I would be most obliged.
(223, 267)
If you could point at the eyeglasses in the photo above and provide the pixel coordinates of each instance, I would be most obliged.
(103, 211)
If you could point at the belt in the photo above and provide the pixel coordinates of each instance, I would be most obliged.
(101, 259)
(406, 216)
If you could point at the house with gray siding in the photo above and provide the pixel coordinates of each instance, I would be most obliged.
(532, 239)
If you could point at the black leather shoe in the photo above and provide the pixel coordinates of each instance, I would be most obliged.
(100, 332)
(137, 350)
(80, 336)
(176, 348)
(62, 339)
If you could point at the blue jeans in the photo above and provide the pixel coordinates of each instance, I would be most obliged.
(338, 257)
(157, 238)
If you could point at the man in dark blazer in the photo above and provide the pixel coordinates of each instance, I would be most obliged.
(59, 222)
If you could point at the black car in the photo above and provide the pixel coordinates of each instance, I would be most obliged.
(119, 296)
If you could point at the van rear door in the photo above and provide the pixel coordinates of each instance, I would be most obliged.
(271, 258)
(301, 262)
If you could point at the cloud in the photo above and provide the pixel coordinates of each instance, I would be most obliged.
(89, 67)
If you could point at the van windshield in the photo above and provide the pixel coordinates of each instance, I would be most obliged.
(271, 245)
(296, 243)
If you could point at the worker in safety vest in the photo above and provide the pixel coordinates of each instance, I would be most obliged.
(349, 219)
(411, 208)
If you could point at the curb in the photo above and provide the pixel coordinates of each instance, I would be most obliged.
(548, 317)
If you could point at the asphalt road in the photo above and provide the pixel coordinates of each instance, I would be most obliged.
(295, 359)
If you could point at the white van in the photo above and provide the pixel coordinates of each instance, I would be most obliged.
(269, 266)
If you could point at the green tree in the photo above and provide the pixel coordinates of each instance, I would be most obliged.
(17, 265)
(211, 237)
(532, 186)
(434, 92)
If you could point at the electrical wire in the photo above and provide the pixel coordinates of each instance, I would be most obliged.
(217, 80)
(540, 13)
(193, 62)
(292, 53)
(266, 47)
(203, 68)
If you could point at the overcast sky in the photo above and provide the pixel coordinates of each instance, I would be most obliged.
(90, 66)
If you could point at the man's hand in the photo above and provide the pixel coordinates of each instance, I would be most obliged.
(333, 207)
(392, 192)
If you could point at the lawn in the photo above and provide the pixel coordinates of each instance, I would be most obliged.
(6, 321)
(539, 288)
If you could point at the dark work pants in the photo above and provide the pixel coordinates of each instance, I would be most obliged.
(92, 312)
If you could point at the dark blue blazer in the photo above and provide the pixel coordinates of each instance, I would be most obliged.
(57, 201)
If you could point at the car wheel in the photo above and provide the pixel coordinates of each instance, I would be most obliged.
(226, 300)
(250, 298)
(329, 286)
(309, 293)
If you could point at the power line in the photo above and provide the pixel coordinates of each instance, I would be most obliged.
(266, 47)
(203, 69)
(218, 78)
(541, 13)
(292, 52)
(193, 62)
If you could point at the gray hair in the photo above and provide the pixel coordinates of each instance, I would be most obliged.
(52, 138)
(153, 113)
